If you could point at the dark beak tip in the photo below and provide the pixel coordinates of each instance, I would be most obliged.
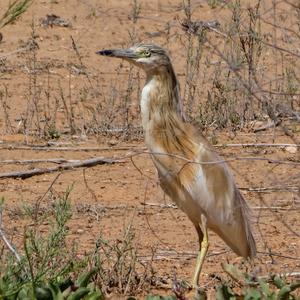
(105, 52)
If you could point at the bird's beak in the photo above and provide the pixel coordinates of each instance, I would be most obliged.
(120, 53)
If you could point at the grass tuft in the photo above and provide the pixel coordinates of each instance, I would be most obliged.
(14, 11)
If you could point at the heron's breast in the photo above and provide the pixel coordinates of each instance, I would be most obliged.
(145, 104)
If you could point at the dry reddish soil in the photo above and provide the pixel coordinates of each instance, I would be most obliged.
(106, 198)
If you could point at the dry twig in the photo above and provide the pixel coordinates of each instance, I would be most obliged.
(73, 149)
(36, 161)
(6, 241)
(131, 147)
(68, 166)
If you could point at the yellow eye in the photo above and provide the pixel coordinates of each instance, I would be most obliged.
(146, 53)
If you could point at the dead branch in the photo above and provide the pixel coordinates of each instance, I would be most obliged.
(257, 145)
(6, 241)
(73, 149)
(68, 166)
(270, 189)
(131, 155)
(24, 49)
(291, 274)
(274, 208)
(34, 161)
(295, 54)
(40, 199)
(125, 148)
(175, 255)
(171, 205)
(271, 124)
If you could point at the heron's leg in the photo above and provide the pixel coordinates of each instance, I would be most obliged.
(202, 252)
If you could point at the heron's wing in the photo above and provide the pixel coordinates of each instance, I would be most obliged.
(210, 184)
(199, 181)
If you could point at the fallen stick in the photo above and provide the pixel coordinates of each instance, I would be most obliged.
(47, 148)
(270, 189)
(257, 145)
(175, 255)
(252, 207)
(287, 274)
(24, 49)
(68, 166)
(86, 149)
(272, 124)
(34, 161)
(171, 205)
(63, 160)
(274, 208)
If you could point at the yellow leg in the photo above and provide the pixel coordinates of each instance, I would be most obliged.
(202, 252)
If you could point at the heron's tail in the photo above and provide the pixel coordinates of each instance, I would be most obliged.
(246, 246)
(246, 216)
(238, 235)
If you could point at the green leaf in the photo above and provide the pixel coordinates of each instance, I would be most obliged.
(286, 290)
(63, 285)
(151, 297)
(265, 287)
(284, 293)
(234, 272)
(97, 295)
(200, 295)
(225, 292)
(56, 293)
(14, 10)
(253, 294)
(43, 293)
(295, 285)
(84, 278)
(278, 281)
(219, 294)
(24, 293)
(79, 294)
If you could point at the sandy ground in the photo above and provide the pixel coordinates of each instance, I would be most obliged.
(106, 198)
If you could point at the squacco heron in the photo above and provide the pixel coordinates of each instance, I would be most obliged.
(189, 170)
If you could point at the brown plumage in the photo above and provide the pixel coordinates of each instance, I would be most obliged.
(189, 170)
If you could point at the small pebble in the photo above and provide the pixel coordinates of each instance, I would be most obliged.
(291, 149)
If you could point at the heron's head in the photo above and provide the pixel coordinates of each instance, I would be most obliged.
(146, 56)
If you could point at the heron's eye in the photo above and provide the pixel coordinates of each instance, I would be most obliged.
(146, 53)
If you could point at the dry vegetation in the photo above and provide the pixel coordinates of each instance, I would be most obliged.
(238, 65)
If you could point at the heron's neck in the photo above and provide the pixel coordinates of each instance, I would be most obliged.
(160, 98)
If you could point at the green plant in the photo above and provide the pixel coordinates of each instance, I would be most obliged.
(47, 263)
(14, 11)
(214, 3)
(255, 288)
(56, 289)
(220, 110)
(119, 266)
(48, 268)
(52, 132)
(245, 286)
